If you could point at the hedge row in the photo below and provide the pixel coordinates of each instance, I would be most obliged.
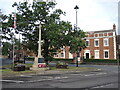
(84, 61)
(50, 59)
(100, 60)
(56, 59)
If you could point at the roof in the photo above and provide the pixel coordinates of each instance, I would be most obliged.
(101, 31)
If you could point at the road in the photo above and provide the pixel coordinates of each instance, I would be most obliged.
(105, 77)
(7, 61)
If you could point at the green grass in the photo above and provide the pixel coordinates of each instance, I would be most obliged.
(73, 68)
(9, 72)
(10, 66)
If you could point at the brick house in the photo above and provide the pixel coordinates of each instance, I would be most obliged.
(118, 46)
(99, 45)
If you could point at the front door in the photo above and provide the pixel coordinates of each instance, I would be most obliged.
(87, 55)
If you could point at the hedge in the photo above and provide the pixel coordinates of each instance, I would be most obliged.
(100, 61)
(59, 59)
(50, 59)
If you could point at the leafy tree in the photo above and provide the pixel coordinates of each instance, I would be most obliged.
(55, 32)
(6, 47)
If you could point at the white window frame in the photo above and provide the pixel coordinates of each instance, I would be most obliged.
(97, 57)
(95, 43)
(88, 43)
(104, 54)
(107, 41)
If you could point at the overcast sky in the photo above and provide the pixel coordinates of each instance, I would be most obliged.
(93, 15)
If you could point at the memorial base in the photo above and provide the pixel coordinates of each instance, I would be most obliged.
(35, 66)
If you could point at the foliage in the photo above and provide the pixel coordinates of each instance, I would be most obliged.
(100, 61)
(6, 48)
(62, 63)
(59, 59)
(56, 33)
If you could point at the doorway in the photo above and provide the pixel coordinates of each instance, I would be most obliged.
(87, 55)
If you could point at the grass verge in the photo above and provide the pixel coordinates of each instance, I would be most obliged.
(73, 68)
(9, 72)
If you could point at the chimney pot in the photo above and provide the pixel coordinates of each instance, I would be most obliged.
(114, 27)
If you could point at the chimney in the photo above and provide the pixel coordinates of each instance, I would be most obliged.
(114, 27)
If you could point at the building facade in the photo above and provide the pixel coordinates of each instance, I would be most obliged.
(99, 45)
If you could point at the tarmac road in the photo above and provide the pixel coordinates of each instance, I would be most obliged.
(105, 77)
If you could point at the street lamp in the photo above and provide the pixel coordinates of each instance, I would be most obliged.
(76, 7)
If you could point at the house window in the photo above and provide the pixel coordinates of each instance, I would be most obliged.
(96, 54)
(101, 34)
(56, 55)
(96, 35)
(62, 54)
(106, 43)
(106, 54)
(96, 42)
(87, 43)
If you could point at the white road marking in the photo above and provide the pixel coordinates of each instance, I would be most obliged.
(75, 74)
(100, 73)
(39, 80)
(60, 77)
(101, 86)
(99, 69)
(51, 78)
(12, 81)
(24, 76)
(89, 74)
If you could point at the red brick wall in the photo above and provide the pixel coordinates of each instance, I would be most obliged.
(101, 47)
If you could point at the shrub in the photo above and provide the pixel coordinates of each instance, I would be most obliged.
(62, 65)
(100, 61)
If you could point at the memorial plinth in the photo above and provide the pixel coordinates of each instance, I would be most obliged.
(39, 64)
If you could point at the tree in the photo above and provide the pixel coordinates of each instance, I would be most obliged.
(55, 32)
(6, 47)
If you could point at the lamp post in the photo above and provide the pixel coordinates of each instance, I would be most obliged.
(13, 51)
(76, 8)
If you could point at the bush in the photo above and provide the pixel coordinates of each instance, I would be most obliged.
(99, 61)
(62, 65)
(29, 58)
(19, 67)
(62, 60)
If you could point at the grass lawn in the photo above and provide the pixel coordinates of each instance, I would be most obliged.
(72, 68)
(9, 72)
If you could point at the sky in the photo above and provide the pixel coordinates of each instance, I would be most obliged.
(93, 15)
